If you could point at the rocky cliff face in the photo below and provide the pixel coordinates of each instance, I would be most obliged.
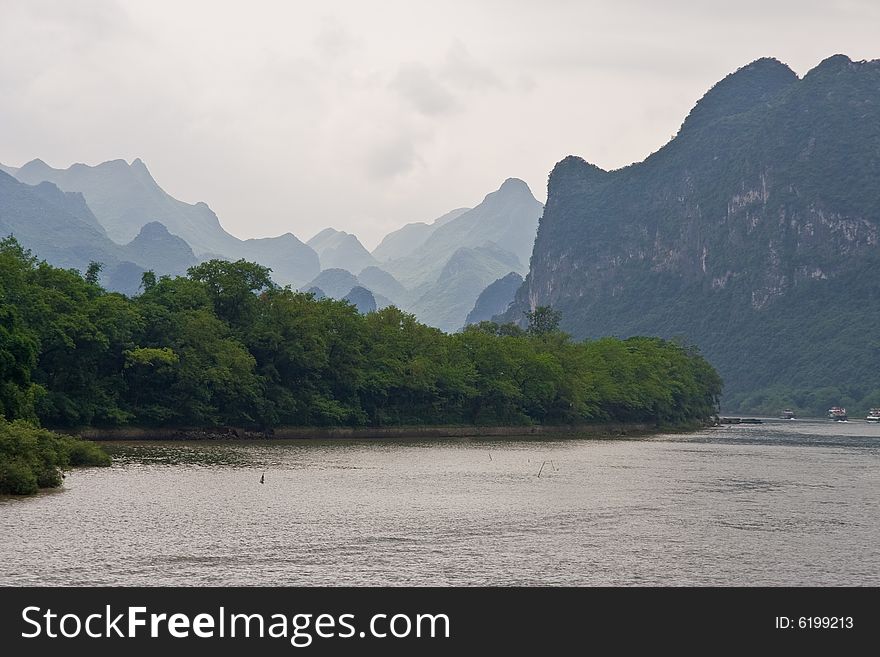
(766, 201)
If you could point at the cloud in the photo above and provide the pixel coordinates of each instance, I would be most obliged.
(424, 91)
(335, 41)
(392, 157)
(463, 71)
(442, 89)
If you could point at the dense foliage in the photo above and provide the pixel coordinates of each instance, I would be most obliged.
(225, 345)
(33, 458)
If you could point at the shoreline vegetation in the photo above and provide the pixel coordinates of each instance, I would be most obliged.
(32, 458)
(410, 432)
(224, 346)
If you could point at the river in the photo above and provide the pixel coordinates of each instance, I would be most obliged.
(782, 503)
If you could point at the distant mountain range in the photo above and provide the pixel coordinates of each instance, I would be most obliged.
(403, 241)
(436, 270)
(117, 214)
(507, 218)
(125, 197)
(448, 263)
(60, 228)
(754, 234)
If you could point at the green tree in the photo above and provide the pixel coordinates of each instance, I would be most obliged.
(543, 320)
(148, 280)
(93, 272)
(231, 286)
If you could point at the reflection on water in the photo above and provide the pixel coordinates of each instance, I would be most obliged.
(791, 502)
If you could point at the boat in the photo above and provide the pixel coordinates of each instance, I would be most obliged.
(788, 414)
(873, 415)
(837, 413)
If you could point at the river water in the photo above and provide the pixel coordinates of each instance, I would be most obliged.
(783, 503)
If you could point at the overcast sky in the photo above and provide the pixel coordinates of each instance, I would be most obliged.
(293, 116)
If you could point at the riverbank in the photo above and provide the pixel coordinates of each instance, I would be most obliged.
(397, 432)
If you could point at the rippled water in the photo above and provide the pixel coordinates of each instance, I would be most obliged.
(781, 503)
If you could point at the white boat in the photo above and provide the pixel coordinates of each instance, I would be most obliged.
(837, 413)
(873, 415)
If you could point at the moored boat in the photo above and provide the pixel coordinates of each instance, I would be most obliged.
(788, 414)
(873, 415)
(837, 413)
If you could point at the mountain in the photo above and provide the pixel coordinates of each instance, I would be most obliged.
(380, 281)
(291, 261)
(362, 299)
(72, 203)
(495, 299)
(8, 170)
(754, 235)
(51, 224)
(157, 249)
(338, 249)
(59, 227)
(508, 218)
(334, 282)
(125, 197)
(404, 241)
(446, 303)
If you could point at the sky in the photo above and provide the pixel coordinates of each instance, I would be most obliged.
(289, 116)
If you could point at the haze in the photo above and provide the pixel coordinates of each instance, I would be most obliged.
(288, 116)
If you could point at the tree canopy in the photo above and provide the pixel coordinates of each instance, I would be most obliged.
(224, 345)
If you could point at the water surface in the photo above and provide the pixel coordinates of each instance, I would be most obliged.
(783, 503)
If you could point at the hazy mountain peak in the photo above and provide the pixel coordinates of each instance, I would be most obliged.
(325, 234)
(514, 185)
(512, 189)
(403, 241)
(155, 247)
(508, 217)
(113, 165)
(335, 282)
(140, 169)
(154, 229)
(337, 249)
(34, 167)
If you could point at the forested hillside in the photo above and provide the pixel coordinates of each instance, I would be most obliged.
(754, 234)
